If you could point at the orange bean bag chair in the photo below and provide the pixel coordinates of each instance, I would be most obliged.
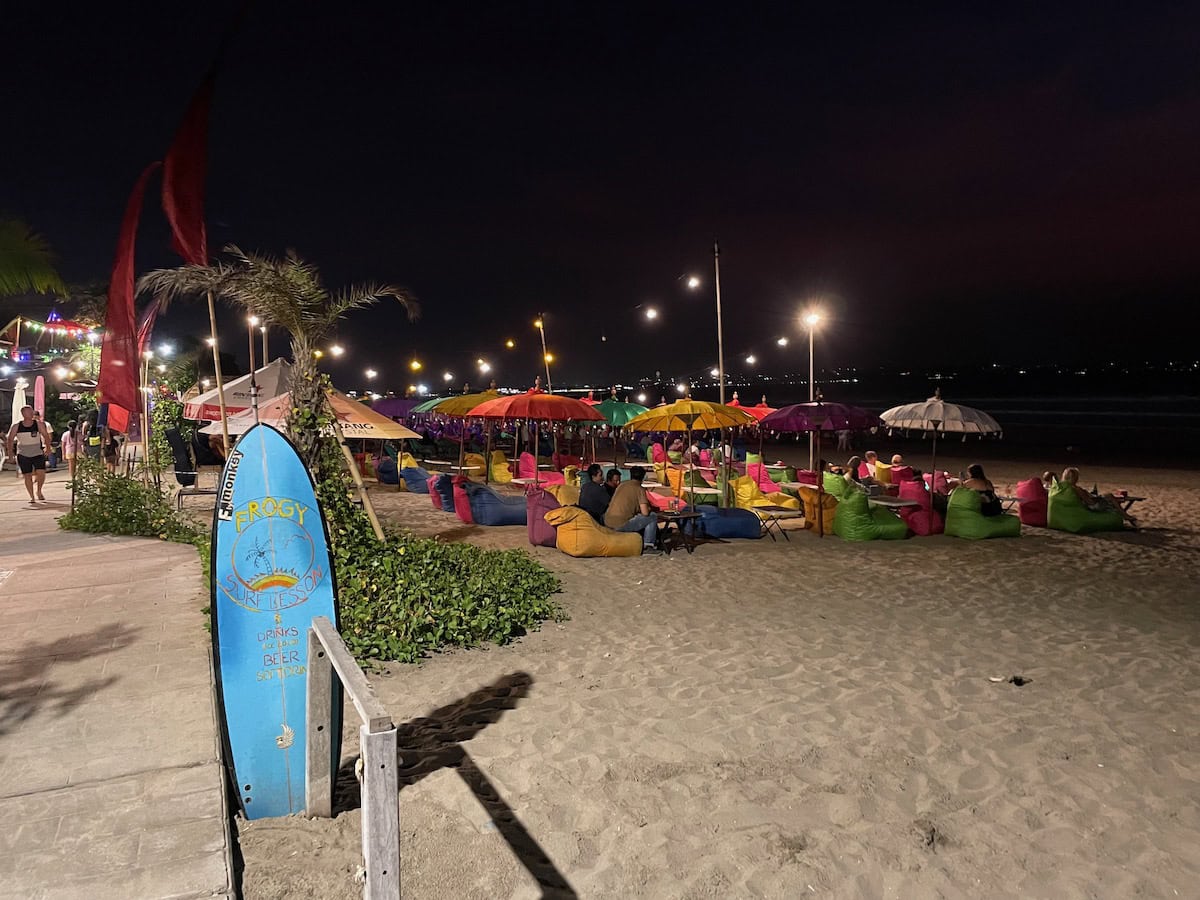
(578, 534)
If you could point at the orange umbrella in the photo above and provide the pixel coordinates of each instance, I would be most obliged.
(541, 406)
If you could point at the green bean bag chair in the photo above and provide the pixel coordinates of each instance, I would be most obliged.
(855, 520)
(835, 485)
(781, 475)
(1066, 512)
(964, 520)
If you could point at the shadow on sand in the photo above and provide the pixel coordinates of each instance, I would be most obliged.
(434, 742)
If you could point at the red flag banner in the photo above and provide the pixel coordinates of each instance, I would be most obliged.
(183, 179)
(118, 382)
(145, 329)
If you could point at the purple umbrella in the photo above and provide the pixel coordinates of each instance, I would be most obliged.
(818, 415)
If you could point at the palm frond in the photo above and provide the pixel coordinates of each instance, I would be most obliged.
(26, 261)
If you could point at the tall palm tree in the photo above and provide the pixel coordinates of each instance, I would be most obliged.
(26, 262)
(287, 293)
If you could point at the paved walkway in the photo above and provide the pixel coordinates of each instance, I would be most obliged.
(110, 784)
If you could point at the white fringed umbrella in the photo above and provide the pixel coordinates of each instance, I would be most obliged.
(936, 415)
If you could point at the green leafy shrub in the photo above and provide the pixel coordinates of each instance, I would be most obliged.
(114, 504)
(412, 596)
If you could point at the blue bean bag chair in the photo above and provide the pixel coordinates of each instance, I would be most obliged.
(1066, 512)
(416, 480)
(964, 518)
(490, 508)
(386, 471)
(444, 486)
(729, 523)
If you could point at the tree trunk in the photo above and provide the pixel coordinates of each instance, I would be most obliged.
(310, 409)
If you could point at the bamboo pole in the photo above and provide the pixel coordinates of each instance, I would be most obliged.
(145, 423)
(212, 322)
(358, 482)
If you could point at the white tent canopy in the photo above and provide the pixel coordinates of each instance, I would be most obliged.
(273, 379)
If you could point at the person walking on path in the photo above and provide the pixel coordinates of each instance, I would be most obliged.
(69, 442)
(30, 439)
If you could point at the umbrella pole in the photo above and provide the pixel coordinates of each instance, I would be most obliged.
(933, 462)
(820, 489)
(487, 452)
(368, 508)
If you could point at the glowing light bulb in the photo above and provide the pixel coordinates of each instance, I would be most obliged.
(652, 313)
(510, 343)
(447, 376)
(549, 357)
(253, 320)
(415, 365)
(693, 282)
(782, 342)
(750, 360)
(336, 350)
(715, 373)
(371, 373)
(641, 398)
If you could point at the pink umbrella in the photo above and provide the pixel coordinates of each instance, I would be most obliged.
(39, 395)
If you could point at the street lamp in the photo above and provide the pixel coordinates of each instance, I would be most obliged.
(336, 350)
(651, 313)
(415, 365)
(812, 319)
(782, 342)
(693, 282)
(540, 325)
(751, 360)
(447, 377)
(371, 373)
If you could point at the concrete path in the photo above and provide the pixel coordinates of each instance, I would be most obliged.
(110, 781)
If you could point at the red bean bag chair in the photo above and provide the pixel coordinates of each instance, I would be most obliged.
(806, 476)
(706, 457)
(527, 466)
(1034, 502)
(922, 520)
(864, 471)
(562, 460)
(537, 503)
(462, 503)
(901, 474)
(433, 494)
(658, 454)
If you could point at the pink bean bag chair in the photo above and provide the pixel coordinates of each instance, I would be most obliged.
(759, 473)
(658, 454)
(527, 467)
(938, 482)
(901, 474)
(462, 504)
(706, 457)
(433, 494)
(1034, 503)
(806, 476)
(537, 504)
(922, 520)
(864, 471)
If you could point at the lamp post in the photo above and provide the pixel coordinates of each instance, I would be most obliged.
(811, 319)
(251, 324)
(540, 324)
(720, 330)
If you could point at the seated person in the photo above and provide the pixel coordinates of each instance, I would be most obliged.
(1096, 502)
(989, 503)
(592, 495)
(629, 510)
(897, 459)
(870, 458)
(611, 480)
(1048, 480)
(850, 473)
(826, 466)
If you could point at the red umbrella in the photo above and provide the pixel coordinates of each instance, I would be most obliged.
(539, 406)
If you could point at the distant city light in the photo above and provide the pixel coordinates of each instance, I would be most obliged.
(484, 367)
(715, 373)
(422, 389)
(681, 388)
(751, 360)
(510, 343)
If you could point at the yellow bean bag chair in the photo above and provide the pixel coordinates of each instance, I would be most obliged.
(828, 508)
(565, 494)
(883, 473)
(478, 464)
(408, 461)
(571, 475)
(747, 495)
(501, 473)
(578, 534)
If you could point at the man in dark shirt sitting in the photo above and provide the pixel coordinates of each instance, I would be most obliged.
(592, 495)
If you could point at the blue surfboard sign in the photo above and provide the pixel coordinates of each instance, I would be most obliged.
(271, 575)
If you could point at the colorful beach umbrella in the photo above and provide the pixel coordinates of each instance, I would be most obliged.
(537, 405)
(690, 415)
(461, 406)
(817, 414)
(618, 413)
(358, 420)
(936, 415)
(272, 380)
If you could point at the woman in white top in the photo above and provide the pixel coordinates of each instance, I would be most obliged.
(69, 444)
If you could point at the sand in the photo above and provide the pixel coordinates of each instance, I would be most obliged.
(812, 718)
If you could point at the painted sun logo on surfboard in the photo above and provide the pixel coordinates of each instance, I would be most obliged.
(273, 556)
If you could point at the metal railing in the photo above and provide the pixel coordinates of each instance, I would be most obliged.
(377, 741)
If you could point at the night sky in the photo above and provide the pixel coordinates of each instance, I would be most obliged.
(956, 186)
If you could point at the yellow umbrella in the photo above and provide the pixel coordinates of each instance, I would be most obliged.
(690, 415)
(461, 405)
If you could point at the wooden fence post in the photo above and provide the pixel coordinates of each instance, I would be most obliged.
(380, 813)
(318, 777)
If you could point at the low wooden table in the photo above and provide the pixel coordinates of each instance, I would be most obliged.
(891, 502)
